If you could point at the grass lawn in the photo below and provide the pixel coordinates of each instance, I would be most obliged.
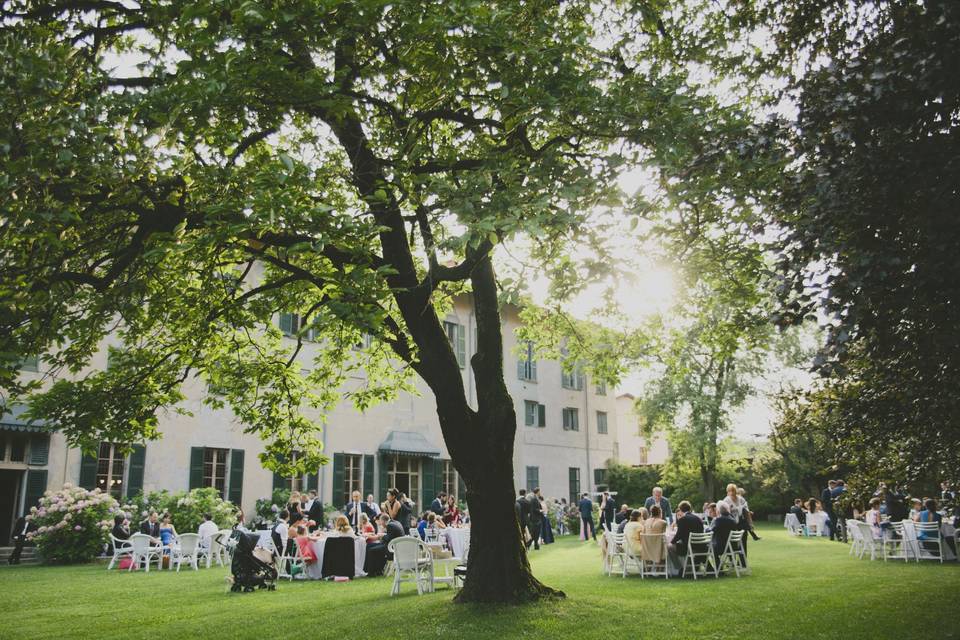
(800, 588)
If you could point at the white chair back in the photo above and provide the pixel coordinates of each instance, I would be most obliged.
(141, 543)
(189, 543)
(929, 542)
(408, 552)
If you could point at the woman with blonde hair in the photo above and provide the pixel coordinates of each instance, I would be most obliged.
(654, 550)
(293, 508)
(739, 512)
(341, 527)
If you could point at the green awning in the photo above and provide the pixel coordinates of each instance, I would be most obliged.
(409, 443)
(14, 419)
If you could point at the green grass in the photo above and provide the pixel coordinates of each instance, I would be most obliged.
(799, 588)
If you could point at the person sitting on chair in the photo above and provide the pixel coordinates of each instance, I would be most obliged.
(19, 536)
(280, 534)
(207, 529)
(633, 532)
(687, 523)
(121, 527)
(342, 528)
(723, 524)
(797, 510)
(151, 527)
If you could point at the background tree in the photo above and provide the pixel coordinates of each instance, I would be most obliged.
(869, 218)
(176, 174)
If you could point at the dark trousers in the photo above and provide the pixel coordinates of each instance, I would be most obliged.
(587, 524)
(17, 550)
(534, 528)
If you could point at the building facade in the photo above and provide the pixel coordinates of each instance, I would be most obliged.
(568, 428)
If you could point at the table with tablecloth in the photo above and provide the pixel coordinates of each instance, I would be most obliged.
(913, 544)
(819, 518)
(456, 539)
(314, 570)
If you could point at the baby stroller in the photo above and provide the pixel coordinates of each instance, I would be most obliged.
(249, 570)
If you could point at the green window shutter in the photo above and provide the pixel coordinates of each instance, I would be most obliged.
(88, 472)
(279, 482)
(36, 485)
(287, 323)
(383, 478)
(428, 484)
(368, 487)
(235, 486)
(337, 480)
(521, 369)
(196, 467)
(541, 415)
(39, 449)
(533, 369)
(438, 475)
(135, 473)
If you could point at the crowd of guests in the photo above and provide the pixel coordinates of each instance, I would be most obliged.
(888, 504)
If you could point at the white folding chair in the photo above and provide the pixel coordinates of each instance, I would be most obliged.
(413, 532)
(144, 549)
(615, 553)
(654, 544)
(700, 551)
(187, 549)
(895, 543)
(121, 549)
(412, 562)
(287, 562)
(733, 554)
(216, 550)
(868, 542)
(929, 541)
(792, 524)
(856, 543)
(460, 571)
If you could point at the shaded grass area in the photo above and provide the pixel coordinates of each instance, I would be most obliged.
(799, 588)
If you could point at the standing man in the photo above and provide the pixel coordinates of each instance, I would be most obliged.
(586, 518)
(826, 501)
(437, 505)
(315, 510)
(608, 511)
(353, 509)
(535, 518)
(19, 536)
(371, 508)
(523, 514)
(839, 514)
(664, 504)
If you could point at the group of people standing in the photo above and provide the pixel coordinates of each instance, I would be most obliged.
(533, 515)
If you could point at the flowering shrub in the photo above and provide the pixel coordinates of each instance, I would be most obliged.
(186, 508)
(72, 524)
(268, 508)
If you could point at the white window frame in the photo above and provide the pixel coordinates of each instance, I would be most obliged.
(113, 477)
(571, 419)
(527, 365)
(213, 478)
(456, 333)
(604, 421)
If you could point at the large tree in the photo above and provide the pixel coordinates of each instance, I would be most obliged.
(869, 218)
(176, 174)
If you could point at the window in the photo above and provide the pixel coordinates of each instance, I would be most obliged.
(643, 455)
(572, 380)
(292, 325)
(352, 478)
(364, 343)
(18, 449)
(600, 479)
(574, 485)
(527, 364)
(30, 363)
(110, 469)
(601, 422)
(533, 478)
(458, 340)
(403, 473)
(601, 388)
(215, 469)
(449, 480)
(534, 414)
(571, 419)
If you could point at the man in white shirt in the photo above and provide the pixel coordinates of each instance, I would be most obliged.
(280, 532)
(372, 508)
(207, 529)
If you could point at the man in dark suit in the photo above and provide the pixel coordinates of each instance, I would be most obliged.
(19, 536)
(586, 518)
(797, 510)
(723, 524)
(150, 526)
(687, 523)
(839, 514)
(623, 514)
(535, 518)
(377, 553)
(664, 504)
(608, 510)
(353, 509)
(437, 505)
(522, 507)
(315, 510)
(826, 503)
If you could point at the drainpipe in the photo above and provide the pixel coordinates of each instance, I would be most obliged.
(586, 427)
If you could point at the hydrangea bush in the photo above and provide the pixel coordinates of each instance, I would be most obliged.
(186, 508)
(73, 524)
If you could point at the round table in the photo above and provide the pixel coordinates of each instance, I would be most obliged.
(314, 570)
(456, 540)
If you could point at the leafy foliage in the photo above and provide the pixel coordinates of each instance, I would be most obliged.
(73, 524)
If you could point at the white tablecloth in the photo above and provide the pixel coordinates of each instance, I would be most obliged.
(314, 569)
(913, 546)
(820, 519)
(265, 540)
(456, 540)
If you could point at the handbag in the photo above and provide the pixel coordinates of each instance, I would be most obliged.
(124, 564)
